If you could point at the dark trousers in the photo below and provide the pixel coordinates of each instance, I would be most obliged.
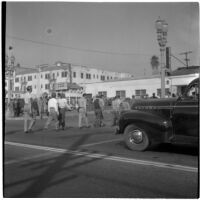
(99, 117)
(62, 117)
(115, 117)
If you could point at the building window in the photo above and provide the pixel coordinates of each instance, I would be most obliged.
(121, 93)
(61, 85)
(159, 92)
(111, 77)
(88, 76)
(93, 75)
(41, 76)
(81, 75)
(64, 74)
(74, 74)
(41, 86)
(53, 76)
(46, 86)
(57, 73)
(17, 89)
(35, 86)
(107, 77)
(35, 76)
(24, 79)
(5, 83)
(29, 78)
(97, 76)
(102, 78)
(47, 76)
(140, 93)
(102, 93)
(16, 80)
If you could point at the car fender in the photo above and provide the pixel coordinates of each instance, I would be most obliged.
(157, 127)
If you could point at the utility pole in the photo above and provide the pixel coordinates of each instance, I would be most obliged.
(10, 68)
(186, 57)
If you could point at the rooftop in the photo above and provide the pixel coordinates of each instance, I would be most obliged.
(57, 66)
(186, 70)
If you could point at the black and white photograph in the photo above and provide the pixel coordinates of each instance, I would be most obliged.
(100, 99)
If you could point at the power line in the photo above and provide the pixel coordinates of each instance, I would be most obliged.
(74, 48)
(186, 57)
(178, 59)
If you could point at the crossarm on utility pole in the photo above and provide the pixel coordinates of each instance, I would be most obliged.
(178, 60)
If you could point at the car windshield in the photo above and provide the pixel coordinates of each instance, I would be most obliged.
(193, 92)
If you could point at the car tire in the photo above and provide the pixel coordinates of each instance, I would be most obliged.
(136, 138)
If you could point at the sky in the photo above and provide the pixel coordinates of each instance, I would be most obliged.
(110, 36)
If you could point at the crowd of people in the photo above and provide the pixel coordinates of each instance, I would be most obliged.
(55, 109)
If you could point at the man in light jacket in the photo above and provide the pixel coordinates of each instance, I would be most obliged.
(82, 109)
(29, 113)
(116, 110)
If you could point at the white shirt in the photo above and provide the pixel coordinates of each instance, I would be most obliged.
(101, 103)
(27, 98)
(62, 103)
(82, 102)
(116, 104)
(53, 103)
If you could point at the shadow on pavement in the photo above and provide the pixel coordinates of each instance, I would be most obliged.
(13, 132)
(53, 167)
(44, 181)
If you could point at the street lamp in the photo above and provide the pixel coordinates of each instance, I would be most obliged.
(162, 28)
(10, 60)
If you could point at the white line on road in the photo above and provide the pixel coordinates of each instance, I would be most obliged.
(102, 142)
(106, 157)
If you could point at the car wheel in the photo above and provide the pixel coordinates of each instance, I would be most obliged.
(136, 138)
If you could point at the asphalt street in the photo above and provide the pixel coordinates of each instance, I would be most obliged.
(91, 163)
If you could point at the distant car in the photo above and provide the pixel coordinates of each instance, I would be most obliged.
(169, 120)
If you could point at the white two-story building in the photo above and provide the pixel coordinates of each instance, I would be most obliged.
(60, 77)
(73, 80)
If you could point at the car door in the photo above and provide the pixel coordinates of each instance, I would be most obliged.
(186, 116)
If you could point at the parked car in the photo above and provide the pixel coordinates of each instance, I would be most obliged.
(171, 120)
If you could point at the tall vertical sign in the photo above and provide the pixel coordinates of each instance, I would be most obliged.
(168, 60)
